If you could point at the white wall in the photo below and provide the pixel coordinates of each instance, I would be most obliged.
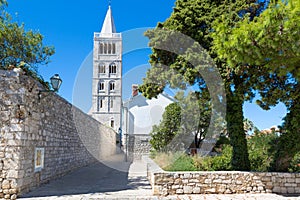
(144, 113)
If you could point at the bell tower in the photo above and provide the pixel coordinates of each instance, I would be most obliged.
(107, 74)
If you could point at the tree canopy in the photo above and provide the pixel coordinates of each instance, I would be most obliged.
(196, 19)
(17, 45)
(271, 40)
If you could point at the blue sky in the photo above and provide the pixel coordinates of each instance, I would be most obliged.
(69, 27)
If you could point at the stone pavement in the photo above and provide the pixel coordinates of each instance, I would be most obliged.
(115, 179)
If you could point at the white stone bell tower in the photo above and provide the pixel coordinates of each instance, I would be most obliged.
(107, 74)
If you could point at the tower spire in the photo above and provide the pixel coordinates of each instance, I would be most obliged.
(108, 24)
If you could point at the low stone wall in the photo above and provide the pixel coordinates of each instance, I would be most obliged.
(220, 182)
(31, 120)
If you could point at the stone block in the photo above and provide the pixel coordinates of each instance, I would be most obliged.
(260, 188)
(217, 181)
(187, 189)
(196, 190)
(13, 191)
(290, 180)
(283, 190)
(210, 190)
(208, 181)
(179, 191)
(291, 190)
(5, 184)
(12, 174)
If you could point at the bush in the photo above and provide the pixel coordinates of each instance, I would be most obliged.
(181, 162)
(295, 163)
(220, 162)
(260, 150)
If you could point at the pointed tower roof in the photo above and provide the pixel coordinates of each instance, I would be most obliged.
(108, 24)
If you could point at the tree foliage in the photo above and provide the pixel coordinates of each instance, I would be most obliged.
(162, 134)
(196, 18)
(18, 45)
(271, 40)
(288, 144)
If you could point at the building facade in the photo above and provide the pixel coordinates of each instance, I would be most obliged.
(107, 74)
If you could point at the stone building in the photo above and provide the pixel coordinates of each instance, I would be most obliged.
(107, 74)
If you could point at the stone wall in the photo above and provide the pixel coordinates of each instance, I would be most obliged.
(138, 145)
(170, 183)
(30, 119)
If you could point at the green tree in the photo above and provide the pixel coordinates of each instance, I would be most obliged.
(288, 144)
(261, 152)
(18, 46)
(162, 134)
(271, 41)
(195, 18)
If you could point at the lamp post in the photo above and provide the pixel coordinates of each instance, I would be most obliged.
(55, 82)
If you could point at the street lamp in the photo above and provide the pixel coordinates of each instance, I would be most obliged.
(55, 82)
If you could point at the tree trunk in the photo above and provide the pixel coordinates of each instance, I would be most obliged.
(235, 127)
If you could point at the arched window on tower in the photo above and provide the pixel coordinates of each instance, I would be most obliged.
(112, 122)
(111, 102)
(109, 49)
(112, 68)
(101, 48)
(111, 86)
(101, 86)
(100, 102)
(101, 69)
(113, 48)
(105, 48)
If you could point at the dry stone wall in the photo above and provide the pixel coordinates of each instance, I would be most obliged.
(170, 183)
(30, 119)
(219, 182)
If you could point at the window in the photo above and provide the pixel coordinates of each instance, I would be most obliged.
(113, 48)
(105, 48)
(101, 86)
(112, 68)
(100, 103)
(109, 49)
(101, 48)
(111, 102)
(39, 159)
(112, 123)
(101, 69)
(111, 86)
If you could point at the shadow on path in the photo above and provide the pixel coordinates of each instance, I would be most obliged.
(96, 178)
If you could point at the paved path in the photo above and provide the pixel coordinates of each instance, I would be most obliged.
(119, 180)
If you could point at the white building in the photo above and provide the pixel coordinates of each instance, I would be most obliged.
(107, 74)
(140, 114)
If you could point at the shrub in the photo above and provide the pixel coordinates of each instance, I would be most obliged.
(295, 163)
(260, 150)
(181, 162)
(215, 163)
